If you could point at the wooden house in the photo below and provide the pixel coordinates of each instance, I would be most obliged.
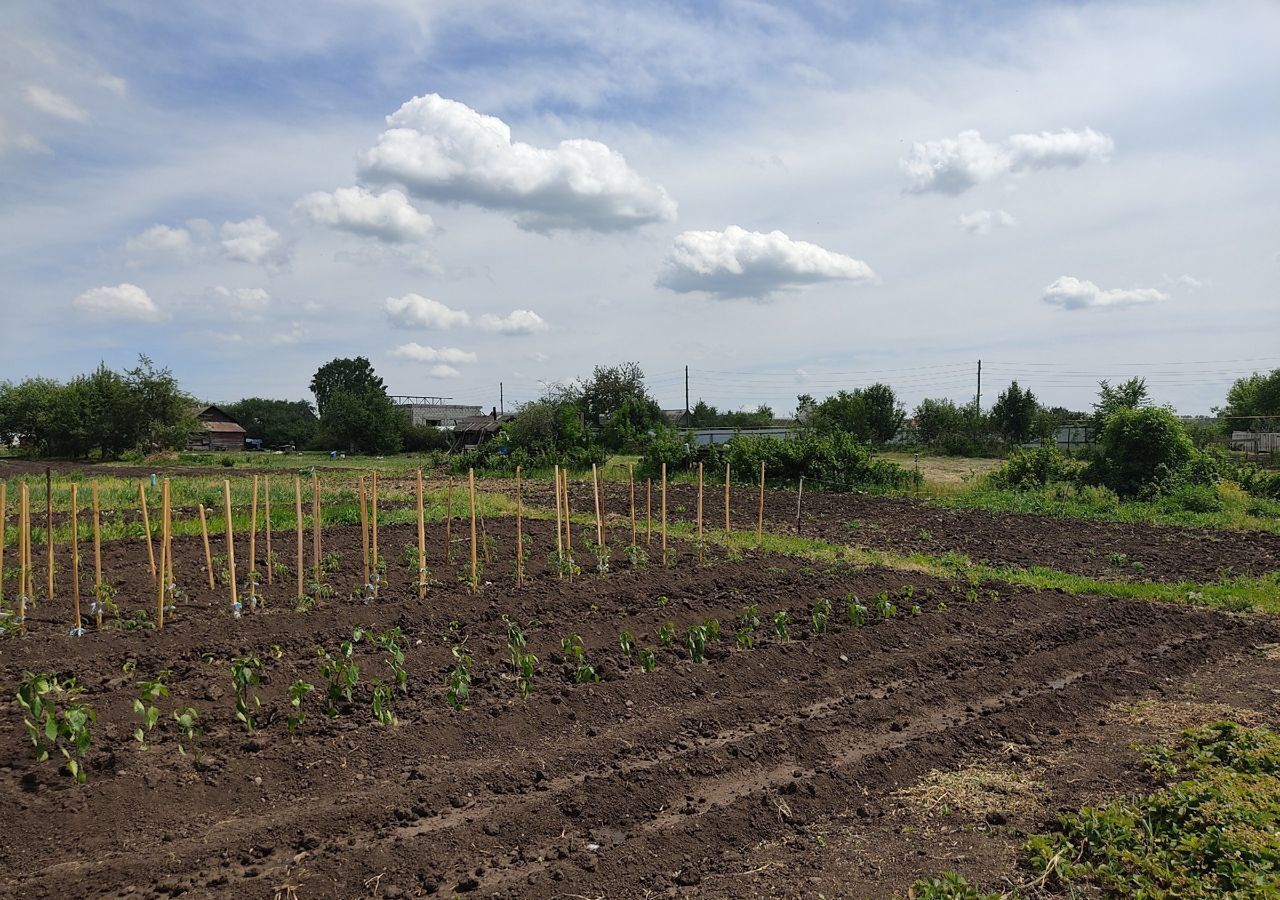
(218, 431)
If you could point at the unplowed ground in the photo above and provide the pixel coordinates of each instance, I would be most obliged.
(709, 779)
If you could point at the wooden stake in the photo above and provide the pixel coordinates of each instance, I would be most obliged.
(364, 528)
(231, 548)
(595, 491)
(162, 581)
(727, 529)
(648, 511)
(471, 491)
(559, 523)
(48, 528)
(75, 553)
(760, 512)
(171, 582)
(97, 545)
(266, 520)
(448, 522)
(373, 526)
(315, 526)
(146, 526)
(699, 502)
(422, 540)
(631, 493)
(253, 545)
(208, 554)
(24, 552)
(297, 513)
(664, 514)
(519, 531)
(4, 518)
(568, 524)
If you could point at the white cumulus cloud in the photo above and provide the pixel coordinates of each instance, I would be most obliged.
(1074, 293)
(953, 165)
(124, 301)
(443, 371)
(418, 353)
(740, 263)
(416, 311)
(444, 150)
(518, 321)
(984, 221)
(55, 104)
(242, 303)
(388, 216)
(161, 239)
(253, 241)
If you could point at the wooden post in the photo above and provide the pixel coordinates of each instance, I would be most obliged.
(297, 513)
(422, 544)
(231, 548)
(162, 582)
(664, 514)
(315, 526)
(760, 511)
(631, 494)
(171, 582)
(75, 555)
(471, 491)
(799, 500)
(648, 511)
(253, 545)
(559, 523)
(568, 525)
(595, 491)
(4, 518)
(448, 521)
(97, 549)
(24, 551)
(266, 520)
(48, 529)
(373, 528)
(699, 503)
(146, 526)
(208, 554)
(519, 531)
(364, 531)
(727, 527)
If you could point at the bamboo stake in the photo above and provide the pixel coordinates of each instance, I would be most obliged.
(699, 506)
(422, 541)
(448, 522)
(4, 518)
(760, 513)
(559, 523)
(568, 524)
(727, 529)
(208, 554)
(373, 525)
(24, 550)
(164, 563)
(364, 528)
(664, 514)
(75, 555)
(97, 545)
(471, 491)
(519, 531)
(266, 519)
(631, 493)
(171, 582)
(231, 548)
(146, 526)
(315, 526)
(48, 528)
(648, 511)
(253, 546)
(297, 513)
(595, 491)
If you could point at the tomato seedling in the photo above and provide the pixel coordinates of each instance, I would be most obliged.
(245, 677)
(144, 705)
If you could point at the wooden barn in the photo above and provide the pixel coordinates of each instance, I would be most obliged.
(218, 431)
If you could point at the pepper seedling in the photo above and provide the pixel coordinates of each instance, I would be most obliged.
(144, 705)
(583, 671)
(245, 677)
(458, 682)
(780, 621)
(67, 730)
(297, 692)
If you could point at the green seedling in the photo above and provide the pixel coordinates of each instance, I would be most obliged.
(856, 613)
(144, 705)
(820, 615)
(915, 609)
(297, 692)
(341, 672)
(189, 731)
(712, 626)
(278, 567)
(458, 682)
(389, 642)
(583, 672)
(781, 619)
(744, 639)
(884, 606)
(244, 677)
(563, 565)
(69, 730)
(637, 556)
(383, 710)
(695, 640)
(627, 643)
(667, 634)
(526, 664)
(647, 659)
(331, 562)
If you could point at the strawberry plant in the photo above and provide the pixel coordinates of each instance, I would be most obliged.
(297, 692)
(781, 619)
(820, 615)
(627, 643)
(695, 641)
(667, 634)
(458, 682)
(244, 677)
(190, 732)
(647, 660)
(67, 730)
(144, 705)
(855, 612)
(583, 671)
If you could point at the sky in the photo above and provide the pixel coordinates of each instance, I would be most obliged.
(785, 198)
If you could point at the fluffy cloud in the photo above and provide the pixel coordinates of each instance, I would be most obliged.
(519, 321)
(983, 221)
(416, 311)
(124, 301)
(242, 303)
(444, 150)
(161, 239)
(740, 263)
(1072, 293)
(418, 353)
(388, 216)
(443, 371)
(253, 241)
(55, 104)
(953, 165)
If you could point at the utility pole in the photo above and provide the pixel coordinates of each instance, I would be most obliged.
(686, 396)
(501, 409)
(977, 404)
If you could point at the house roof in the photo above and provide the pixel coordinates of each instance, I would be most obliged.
(224, 427)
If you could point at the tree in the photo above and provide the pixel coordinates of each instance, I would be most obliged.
(1141, 446)
(615, 399)
(1255, 395)
(277, 423)
(350, 376)
(1014, 414)
(884, 413)
(844, 411)
(1130, 394)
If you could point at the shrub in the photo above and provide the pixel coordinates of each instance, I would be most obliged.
(1036, 468)
(1140, 447)
(831, 462)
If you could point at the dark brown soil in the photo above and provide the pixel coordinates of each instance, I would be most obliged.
(662, 783)
(1108, 550)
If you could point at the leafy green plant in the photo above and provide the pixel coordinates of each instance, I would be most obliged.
(525, 664)
(744, 639)
(820, 615)
(947, 886)
(781, 619)
(190, 732)
(855, 612)
(390, 643)
(331, 562)
(647, 659)
(297, 693)
(562, 564)
(695, 641)
(67, 730)
(667, 634)
(712, 627)
(279, 569)
(245, 676)
(340, 671)
(915, 609)
(458, 682)
(602, 554)
(583, 672)
(627, 643)
(383, 707)
(144, 706)
(884, 606)
(637, 556)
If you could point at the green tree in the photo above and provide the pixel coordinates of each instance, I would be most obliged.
(1014, 414)
(1254, 395)
(616, 400)
(277, 423)
(356, 415)
(884, 413)
(1139, 447)
(1130, 394)
(344, 376)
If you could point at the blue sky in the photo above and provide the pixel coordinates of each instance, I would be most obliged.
(784, 197)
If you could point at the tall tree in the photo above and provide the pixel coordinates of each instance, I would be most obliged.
(1014, 414)
(349, 376)
(1254, 395)
(615, 399)
(1131, 394)
(885, 414)
(356, 415)
(277, 423)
